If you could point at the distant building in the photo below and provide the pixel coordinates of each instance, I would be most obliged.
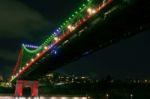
(61, 78)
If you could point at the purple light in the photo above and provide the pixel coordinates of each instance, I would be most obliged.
(50, 46)
(54, 33)
(30, 46)
(58, 30)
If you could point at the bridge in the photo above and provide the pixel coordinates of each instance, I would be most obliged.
(94, 25)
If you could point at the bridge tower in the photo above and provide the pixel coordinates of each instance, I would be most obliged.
(20, 84)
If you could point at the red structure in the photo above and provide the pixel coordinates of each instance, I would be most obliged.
(20, 84)
(34, 88)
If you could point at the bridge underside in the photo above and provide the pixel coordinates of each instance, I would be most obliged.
(99, 32)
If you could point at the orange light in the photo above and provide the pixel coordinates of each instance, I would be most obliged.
(38, 54)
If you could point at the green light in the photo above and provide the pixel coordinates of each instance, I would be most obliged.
(69, 18)
(80, 8)
(67, 21)
(76, 12)
(73, 15)
(83, 5)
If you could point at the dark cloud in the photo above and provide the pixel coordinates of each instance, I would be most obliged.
(18, 23)
(18, 20)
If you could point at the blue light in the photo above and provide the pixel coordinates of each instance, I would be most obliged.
(31, 46)
(57, 30)
(54, 52)
(54, 33)
(50, 46)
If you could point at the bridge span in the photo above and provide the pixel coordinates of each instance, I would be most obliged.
(95, 25)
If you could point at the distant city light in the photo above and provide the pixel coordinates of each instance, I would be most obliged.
(107, 95)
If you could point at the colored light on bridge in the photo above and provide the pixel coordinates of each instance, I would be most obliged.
(45, 47)
(31, 46)
(56, 38)
(27, 64)
(20, 70)
(58, 30)
(88, 0)
(71, 28)
(38, 54)
(73, 15)
(16, 74)
(91, 11)
(83, 5)
(76, 12)
(54, 52)
(32, 60)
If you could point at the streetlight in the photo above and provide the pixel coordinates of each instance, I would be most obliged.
(107, 96)
(131, 96)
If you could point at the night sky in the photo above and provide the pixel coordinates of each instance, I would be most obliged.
(31, 21)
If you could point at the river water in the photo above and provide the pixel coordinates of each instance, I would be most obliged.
(44, 97)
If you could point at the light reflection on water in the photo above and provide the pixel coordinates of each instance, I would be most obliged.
(42, 97)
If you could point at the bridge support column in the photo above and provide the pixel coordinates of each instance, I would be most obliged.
(19, 88)
(20, 84)
(34, 88)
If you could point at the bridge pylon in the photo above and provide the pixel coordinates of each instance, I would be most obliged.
(21, 84)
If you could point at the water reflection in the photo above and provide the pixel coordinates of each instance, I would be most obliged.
(42, 97)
